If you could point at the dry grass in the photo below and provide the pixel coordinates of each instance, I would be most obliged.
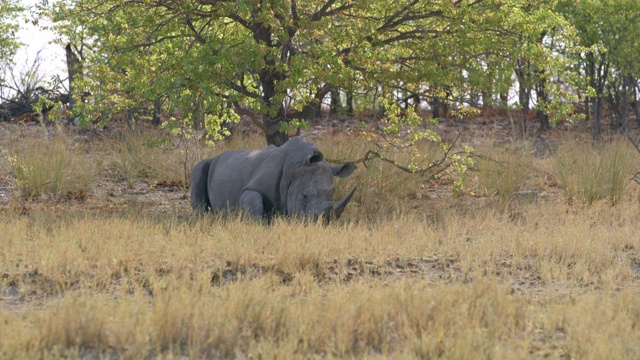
(505, 173)
(382, 188)
(410, 278)
(51, 166)
(588, 173)
(152, 156)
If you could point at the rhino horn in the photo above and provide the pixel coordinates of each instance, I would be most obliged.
(342, 204)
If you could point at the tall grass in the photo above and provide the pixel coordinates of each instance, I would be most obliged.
(129, 155)
(383, 189)
(155, 157)
(504, 172)
(263, 319)
(587, 173)
(50, 166)
(381, 186)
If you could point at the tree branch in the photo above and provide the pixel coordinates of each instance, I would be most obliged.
(196, 33)
(251, 114)
(440, 165)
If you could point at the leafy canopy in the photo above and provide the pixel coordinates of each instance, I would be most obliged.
(278, 58)
(9, 44)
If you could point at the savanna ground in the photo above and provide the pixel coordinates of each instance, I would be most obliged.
(537, 257)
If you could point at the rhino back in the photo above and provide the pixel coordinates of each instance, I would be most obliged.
(232, 172)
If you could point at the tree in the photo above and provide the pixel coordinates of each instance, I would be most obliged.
(275, 59)
(9, 44)
(623, 45)
(607, 29)
(9, 9)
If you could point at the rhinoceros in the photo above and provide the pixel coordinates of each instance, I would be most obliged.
(293, 180)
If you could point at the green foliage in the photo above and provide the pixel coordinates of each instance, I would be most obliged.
(587, 173)
(278, 56)
(606, 64)
(410, 144)
(53, 109)
(607, 28)
(287, 127)
(9, 44)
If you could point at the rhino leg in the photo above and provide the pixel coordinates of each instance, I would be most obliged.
(252, 205)
(199, 193)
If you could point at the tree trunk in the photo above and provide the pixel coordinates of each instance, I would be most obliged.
(541, 95)
(627, 82)
(336, 104)
(598, 79)
(277, 138)
(474, 99)
(416, 102)
(197, 115)
(269, 76)
(597, 122)
(157, 109)
(445, 109)
(350, 103)
(74, 70)
(130, 118)
(613, 98)
(435, 108)
(504, 100)
(487, 100)
(273, 134)
(587, 108)
(636, 100)
(522, 124)
(524, 94)
(543, 120)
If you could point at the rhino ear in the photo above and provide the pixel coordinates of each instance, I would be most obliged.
(344, 170)
(315, 157)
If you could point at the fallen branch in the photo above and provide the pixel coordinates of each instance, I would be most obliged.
(440, 164)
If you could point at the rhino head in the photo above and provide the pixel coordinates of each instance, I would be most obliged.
(310, 191)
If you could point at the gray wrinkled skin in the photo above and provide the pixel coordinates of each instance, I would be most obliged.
(292, 180)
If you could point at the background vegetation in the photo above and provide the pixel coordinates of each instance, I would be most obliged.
(202, 63)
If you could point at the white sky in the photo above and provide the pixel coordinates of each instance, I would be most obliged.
(35, 39)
